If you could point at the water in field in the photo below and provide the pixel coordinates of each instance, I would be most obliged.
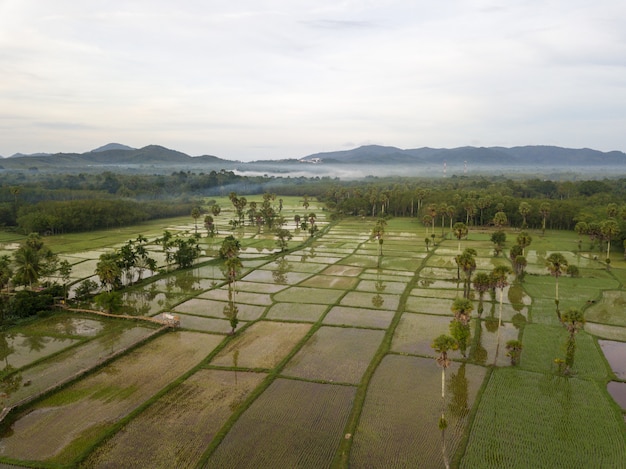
(615, 353)
(618, 393)
(18, 350)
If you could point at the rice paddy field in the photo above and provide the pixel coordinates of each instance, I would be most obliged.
(331, 364)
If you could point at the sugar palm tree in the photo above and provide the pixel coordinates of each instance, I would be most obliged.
(544, 209)
(524, 210)
(609, 229)
(500, 279)
(524, 240)
(574, 320)
(557, 265)
(460, 231)
(482, 284)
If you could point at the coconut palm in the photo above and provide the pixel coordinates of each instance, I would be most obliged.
(557, 265)
(109, 270)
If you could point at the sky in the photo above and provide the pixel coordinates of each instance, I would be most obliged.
(272, 79)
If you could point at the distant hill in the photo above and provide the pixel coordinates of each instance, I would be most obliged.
(112, 146)
(481, 156)
(112, 154)
(361, 161)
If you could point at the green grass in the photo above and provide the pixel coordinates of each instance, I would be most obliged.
(543, 344)
(538, 420)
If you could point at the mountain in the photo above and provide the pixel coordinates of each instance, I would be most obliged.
(112, 154)
(112, 146)
(536, 155)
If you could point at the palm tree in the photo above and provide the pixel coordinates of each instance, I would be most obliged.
(450, 211)
(462, 309)
(195, 214)
(500, 279)
(432, 211)
(524, 210)
(500, 220)
(609, 229)
(467, 263)
(482, 284)
(215, 211)
(544, 209)
(514, 350)
(442, 345)
(557, 265)
(574, 320)
(524, 240)
(108, 270)
(460, 231)
(427, 220)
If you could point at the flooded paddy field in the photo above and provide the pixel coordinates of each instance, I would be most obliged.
(331, 363)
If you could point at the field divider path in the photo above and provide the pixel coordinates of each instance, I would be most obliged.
(342, 457)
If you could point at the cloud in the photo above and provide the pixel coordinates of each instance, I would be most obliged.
(246, 79)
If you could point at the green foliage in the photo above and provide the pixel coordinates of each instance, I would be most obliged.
(27, 303)
(109, 301)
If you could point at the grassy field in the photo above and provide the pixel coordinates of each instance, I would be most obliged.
(331, 365)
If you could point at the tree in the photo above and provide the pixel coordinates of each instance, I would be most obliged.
(482, 284)
(442, 345)
(462, 309)
(209, 225)
(557, 265)
(573, 320)
(109, 271)
(33, 260)
(500, 279)
(524, 240)
(6, 271)
(215, 211)
(296, 219)
(65, 271)
(305, 202)
(513, 351)
(187, 251)
(524, 210)
(459, 326)
(460, 231)
(544, 209)
(609, 229)
(498, 238)
(467, 263)
(110, 301)
(500, 220)
(283, 236)
(378, 232)
(432, 211)
(196, 213)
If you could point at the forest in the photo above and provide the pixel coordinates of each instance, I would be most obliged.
(49, 203)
